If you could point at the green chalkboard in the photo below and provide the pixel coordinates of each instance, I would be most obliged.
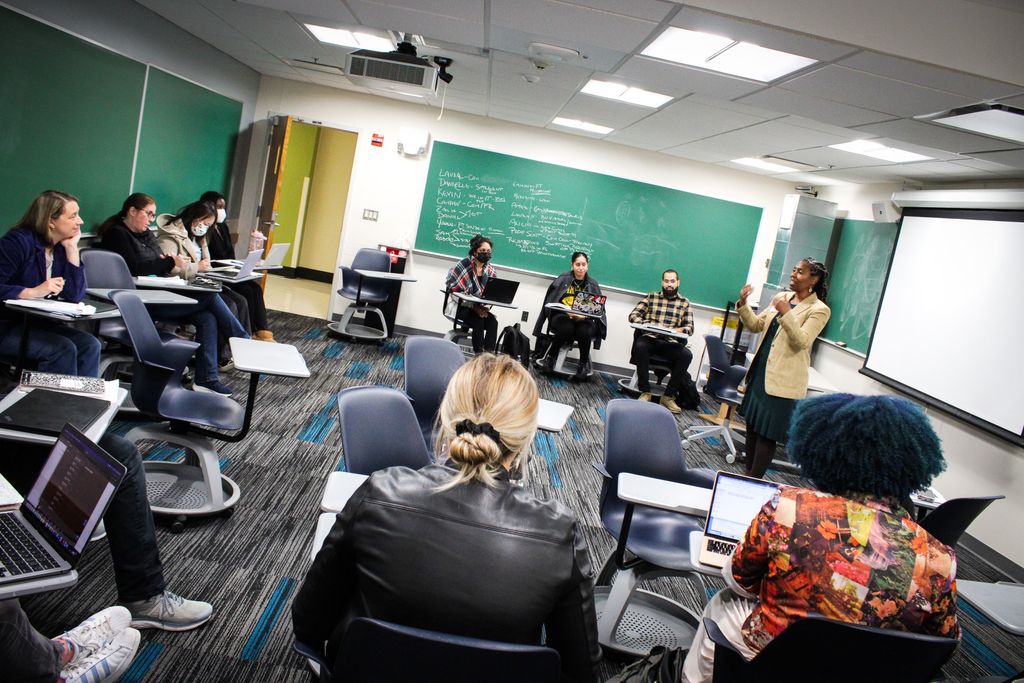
(187, 141)
(539, 213)
(858, 274)
(69, 112)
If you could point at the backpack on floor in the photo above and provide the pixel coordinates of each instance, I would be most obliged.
(661, 665)
(516, 344)
(688, 398)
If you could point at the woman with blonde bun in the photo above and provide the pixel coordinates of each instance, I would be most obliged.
(457, 547)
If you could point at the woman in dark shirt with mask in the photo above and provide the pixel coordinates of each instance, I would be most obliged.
(470, 276)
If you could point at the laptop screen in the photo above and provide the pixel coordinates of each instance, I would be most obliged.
(71, 493)
(503, 291)
(734, 504)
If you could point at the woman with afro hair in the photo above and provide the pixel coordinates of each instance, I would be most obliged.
(849, 550)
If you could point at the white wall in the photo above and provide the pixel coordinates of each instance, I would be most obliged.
(978, 464)
(130, 29)
(386, 181)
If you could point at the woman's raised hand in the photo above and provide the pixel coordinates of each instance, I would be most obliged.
(744, 293)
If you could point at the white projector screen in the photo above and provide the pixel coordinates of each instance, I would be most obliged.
(949, 326)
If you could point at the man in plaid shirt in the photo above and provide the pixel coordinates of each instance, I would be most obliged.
(669, 310)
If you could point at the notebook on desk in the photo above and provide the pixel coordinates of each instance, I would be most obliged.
(501, 291)
(42, 541)
(45, 412)
(735, 501)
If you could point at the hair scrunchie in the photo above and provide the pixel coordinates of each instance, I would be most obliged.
(467, 426)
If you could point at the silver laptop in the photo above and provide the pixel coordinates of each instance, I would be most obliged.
(41, 542)
(735, 501)
(234, 275)
(275, 257)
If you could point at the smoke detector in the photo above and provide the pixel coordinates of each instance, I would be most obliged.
(543, 55)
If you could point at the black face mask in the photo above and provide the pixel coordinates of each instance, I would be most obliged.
(483, 256)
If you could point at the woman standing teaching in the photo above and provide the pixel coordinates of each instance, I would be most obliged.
(777, 377)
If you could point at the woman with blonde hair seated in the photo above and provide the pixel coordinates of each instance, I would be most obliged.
(459, 548)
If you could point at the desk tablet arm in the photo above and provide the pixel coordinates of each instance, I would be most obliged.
(179, 351)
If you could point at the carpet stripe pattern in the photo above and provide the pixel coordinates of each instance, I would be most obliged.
(250, 564)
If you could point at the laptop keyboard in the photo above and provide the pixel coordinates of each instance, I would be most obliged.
(21, 553)
(720, 547)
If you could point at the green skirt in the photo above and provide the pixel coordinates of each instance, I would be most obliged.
(767, 415)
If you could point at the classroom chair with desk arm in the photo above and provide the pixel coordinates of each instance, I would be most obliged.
(562, 364)
(643, 438)
(660, 367)
(182, 490)
(365, 294)
(378, 430)
(430, 363)
(459, 334)
(950, 520)
(376, 651)
(815, 649)
(723, 381)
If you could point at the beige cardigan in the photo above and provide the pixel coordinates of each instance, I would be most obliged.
(174, 240)
(790, 355)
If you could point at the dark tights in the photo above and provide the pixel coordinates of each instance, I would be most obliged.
(760, 452)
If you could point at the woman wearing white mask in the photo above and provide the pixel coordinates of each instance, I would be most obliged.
(219, 243)
(185, 235)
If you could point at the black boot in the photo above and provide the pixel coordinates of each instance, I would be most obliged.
(581, 373)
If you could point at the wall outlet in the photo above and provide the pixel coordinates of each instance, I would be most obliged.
(369, 215)
(526, 316)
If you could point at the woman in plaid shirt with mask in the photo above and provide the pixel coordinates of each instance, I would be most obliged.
(470, 276)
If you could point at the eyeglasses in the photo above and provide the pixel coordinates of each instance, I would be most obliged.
(151, 214)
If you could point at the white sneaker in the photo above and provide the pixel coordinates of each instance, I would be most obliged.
(169, 612)
(98, 630)
(105, 664)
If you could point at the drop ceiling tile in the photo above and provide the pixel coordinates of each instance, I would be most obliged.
(678, 80)
(683, 122)
(603, 111)
(697, 153)
(444, 23)
(510, 68)
(1016, 101)
(860, 89)
(760, 34)
(516, 116)
(933, 135)
(465, 10)
(807, 105)
(984, 165)
(191, 16)
(860, 176)
(593, 56)
(332, 10)
(811, 124)
(929, 76)
(652, 10)
(248, 19)
(572, 23)
(826, 157)
(1014, 158)
(718, 103)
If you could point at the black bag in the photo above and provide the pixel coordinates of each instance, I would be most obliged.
(661, 665)
(688, 398)
(516, 344)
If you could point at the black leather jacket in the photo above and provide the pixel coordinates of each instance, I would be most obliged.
(493, 563)
(554, 294)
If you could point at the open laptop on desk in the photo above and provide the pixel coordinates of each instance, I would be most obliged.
(231, 274)
(275, 259)
(41, 542)
(501, 291)
(735, 501)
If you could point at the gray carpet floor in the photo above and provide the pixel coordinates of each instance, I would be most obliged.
(250, 564)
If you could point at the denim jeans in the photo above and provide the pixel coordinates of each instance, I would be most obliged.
(28, 656)
(53, 346)
(138, 572)
(210, 316)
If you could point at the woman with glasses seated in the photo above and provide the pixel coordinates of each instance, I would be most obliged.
(470, 276)
(127, 233)
(39, 259)
(460, 548)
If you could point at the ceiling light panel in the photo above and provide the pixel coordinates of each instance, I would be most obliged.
(763, 165)
(725, 55)
(1005, 123)
(346, 38)
(876, 150)
(582, 125)
(624, 93)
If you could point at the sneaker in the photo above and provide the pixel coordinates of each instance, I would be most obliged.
(106, 663)
(212, 387)
(645, 396)
(264, 335)
(226, 365)
(670, 403)
(169, 612)
(98, 630)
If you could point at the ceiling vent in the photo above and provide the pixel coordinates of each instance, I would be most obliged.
(400, 71)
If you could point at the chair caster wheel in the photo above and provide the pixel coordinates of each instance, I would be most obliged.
(730, 458)
(686, 443)
(178, 525)
(226, 514)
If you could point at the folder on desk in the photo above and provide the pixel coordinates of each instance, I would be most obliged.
(46, 412)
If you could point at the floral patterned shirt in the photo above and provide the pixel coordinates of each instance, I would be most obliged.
(856, 559)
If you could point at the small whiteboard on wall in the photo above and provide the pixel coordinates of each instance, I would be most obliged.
(949, 326)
